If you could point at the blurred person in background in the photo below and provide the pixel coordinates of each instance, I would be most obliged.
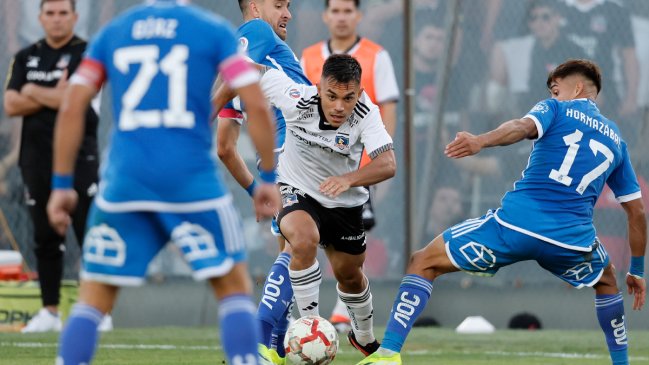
(547, 217)
(161, 76)
(35, 86)
(262, 36)
(602, 28)
(519, 65)
(342, 18)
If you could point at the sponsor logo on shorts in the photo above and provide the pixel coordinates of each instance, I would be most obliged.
(579, 272)
(353, 238)
(288, 200)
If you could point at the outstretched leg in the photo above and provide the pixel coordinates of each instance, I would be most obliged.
(415, 289)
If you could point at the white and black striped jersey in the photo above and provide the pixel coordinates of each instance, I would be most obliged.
(314, 150)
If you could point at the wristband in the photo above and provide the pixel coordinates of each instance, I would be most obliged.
(637, 266)
(267, 177)
(62, 181)
(252, 187)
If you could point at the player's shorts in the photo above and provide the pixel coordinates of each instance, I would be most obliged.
(342, 228)
(119, 246)
(482, 246)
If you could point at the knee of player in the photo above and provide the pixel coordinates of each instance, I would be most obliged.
(225, 149)
(421, 264)
(349, 277)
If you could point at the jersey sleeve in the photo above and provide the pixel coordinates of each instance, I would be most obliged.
(282, 92)
(257, 38)
(373, 134)
(543, 114)
(385, 81)
(92, 70)
(623, 181)
(16, 75)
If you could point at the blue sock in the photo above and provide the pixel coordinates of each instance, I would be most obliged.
(610, 313)
(79, 338)
(411, 300)
(239, 329)
(279, 332)
(277, 297)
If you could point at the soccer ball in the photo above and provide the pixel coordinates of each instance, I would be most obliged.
(311, 340)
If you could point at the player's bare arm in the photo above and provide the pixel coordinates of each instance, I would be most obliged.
(467, 144)
(637, 221)
(266, 197)
(226, 139)
(382, 167)
(68, 133)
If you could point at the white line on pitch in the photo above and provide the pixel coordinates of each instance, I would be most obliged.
(119, 346)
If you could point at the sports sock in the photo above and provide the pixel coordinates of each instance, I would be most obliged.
(279, 332)
(340, 309)
(277, 297)
(411, 300)
(237, 315)
(360, 312)
(79, 338)
(306, 289)
(610, 313)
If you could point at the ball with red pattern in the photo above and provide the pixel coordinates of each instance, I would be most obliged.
(311, 340)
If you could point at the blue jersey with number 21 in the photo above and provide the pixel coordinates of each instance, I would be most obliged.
(577, 151)
(161, 61)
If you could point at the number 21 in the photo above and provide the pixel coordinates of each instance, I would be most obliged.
(175, 67)
(571, 140)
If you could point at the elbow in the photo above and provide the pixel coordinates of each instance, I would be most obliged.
(391, 167)
(10, 109)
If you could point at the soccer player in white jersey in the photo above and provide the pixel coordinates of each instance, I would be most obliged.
(160, 182)
(322, 187)
(547, 217)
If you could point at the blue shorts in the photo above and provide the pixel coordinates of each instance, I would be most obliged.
(119, 246)
(482, 246)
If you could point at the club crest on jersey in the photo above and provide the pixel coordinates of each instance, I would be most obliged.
(32, 61)
(294, 93)
(342, 141)
(243, 44)
(64, 61)
(540, 107)
(288, 200)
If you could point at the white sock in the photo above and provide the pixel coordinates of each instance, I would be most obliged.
(340, 309)
(361, 313)
(306, 289)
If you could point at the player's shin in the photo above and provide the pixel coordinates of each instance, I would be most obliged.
(360, 312)
(276, 298)
(610, 313)
(239, 329)
(306, 289)
(79, 338)
(411, 300)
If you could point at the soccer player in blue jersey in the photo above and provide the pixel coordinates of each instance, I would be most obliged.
(547, 217)
(262, 35)
(160, 183)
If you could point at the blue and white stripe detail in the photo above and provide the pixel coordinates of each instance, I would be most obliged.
(283, 259)
(418, 282)
(470, 225)
(608, 301)
(236, 304)
(81, 310)
(231, 227)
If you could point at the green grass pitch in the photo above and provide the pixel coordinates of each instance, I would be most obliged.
(196, 346)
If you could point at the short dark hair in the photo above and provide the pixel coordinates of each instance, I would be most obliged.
(583, 67)
(357, 3)
(73, 3)
(243, 5)
(342, 68)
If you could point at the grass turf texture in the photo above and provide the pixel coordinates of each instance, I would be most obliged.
(177, 346)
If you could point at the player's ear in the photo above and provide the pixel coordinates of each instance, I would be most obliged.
(579, 87)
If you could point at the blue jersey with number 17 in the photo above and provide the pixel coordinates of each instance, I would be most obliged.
(578, 150)
(161, 60)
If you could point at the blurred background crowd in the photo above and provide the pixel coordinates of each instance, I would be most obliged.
(501, 53)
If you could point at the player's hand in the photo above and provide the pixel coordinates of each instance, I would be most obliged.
(267, 200)
(61, 204)
(334, 186)
(464, 144)
(637, 287)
